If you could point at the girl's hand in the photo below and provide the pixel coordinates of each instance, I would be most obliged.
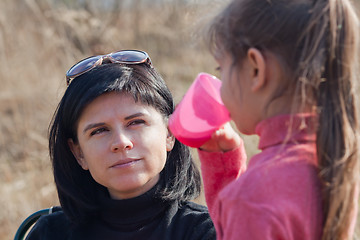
(222, 140)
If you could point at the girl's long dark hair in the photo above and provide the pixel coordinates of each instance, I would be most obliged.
(317, 40)
(77, 190)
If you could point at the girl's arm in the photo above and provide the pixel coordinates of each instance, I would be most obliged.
(223, 159)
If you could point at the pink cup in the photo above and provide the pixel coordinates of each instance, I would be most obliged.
(200, 112)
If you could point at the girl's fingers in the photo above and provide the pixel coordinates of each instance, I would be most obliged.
(227, 138)
(222, 140)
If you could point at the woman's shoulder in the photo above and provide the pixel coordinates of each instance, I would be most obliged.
(194, 214)
(191, 215)
(50, 226)
(192, 207)
(54, 219)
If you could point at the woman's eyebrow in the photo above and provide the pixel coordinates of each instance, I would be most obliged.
(139, 114)
(92, 125)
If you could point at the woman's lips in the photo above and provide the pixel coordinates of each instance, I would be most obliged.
(125, 163)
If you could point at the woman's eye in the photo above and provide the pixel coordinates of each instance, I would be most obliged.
(136, 122)
(97, 131)
(218, 69)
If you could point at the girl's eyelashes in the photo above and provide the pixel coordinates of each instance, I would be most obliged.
(218, 69)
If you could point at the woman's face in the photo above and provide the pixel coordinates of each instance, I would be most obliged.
(122, 143)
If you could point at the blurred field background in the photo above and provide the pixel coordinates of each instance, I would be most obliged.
(41, 39)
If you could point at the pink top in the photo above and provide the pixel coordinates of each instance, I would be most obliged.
(278, 195)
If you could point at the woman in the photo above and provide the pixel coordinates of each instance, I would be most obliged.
(119, 172)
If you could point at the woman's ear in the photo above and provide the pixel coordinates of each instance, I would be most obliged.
(78, 154)
(258, 68)
(170, 141)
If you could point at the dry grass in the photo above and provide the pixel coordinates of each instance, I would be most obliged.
(38, 43)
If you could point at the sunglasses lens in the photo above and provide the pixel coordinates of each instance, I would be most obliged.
(130, 56)
(82, 66)
(122, 57)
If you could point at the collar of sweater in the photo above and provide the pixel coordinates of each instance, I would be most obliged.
(134, 212)
(295, 128)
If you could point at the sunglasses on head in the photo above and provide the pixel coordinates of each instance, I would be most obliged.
(122, 57)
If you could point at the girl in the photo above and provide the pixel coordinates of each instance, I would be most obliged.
(119, 172)
(289, 69)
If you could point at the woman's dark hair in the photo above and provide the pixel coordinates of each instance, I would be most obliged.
(318, 43)
(77, 190)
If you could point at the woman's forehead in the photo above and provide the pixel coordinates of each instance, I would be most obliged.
(120, 103)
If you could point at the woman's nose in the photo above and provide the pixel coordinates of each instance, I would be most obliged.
(121, 142)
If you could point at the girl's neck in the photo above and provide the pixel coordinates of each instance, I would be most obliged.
(286, 104)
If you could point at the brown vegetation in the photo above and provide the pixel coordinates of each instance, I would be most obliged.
(40, 41)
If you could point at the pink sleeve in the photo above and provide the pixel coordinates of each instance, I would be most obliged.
(218, 169)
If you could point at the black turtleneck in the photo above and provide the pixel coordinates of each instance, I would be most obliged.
(143, 217)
